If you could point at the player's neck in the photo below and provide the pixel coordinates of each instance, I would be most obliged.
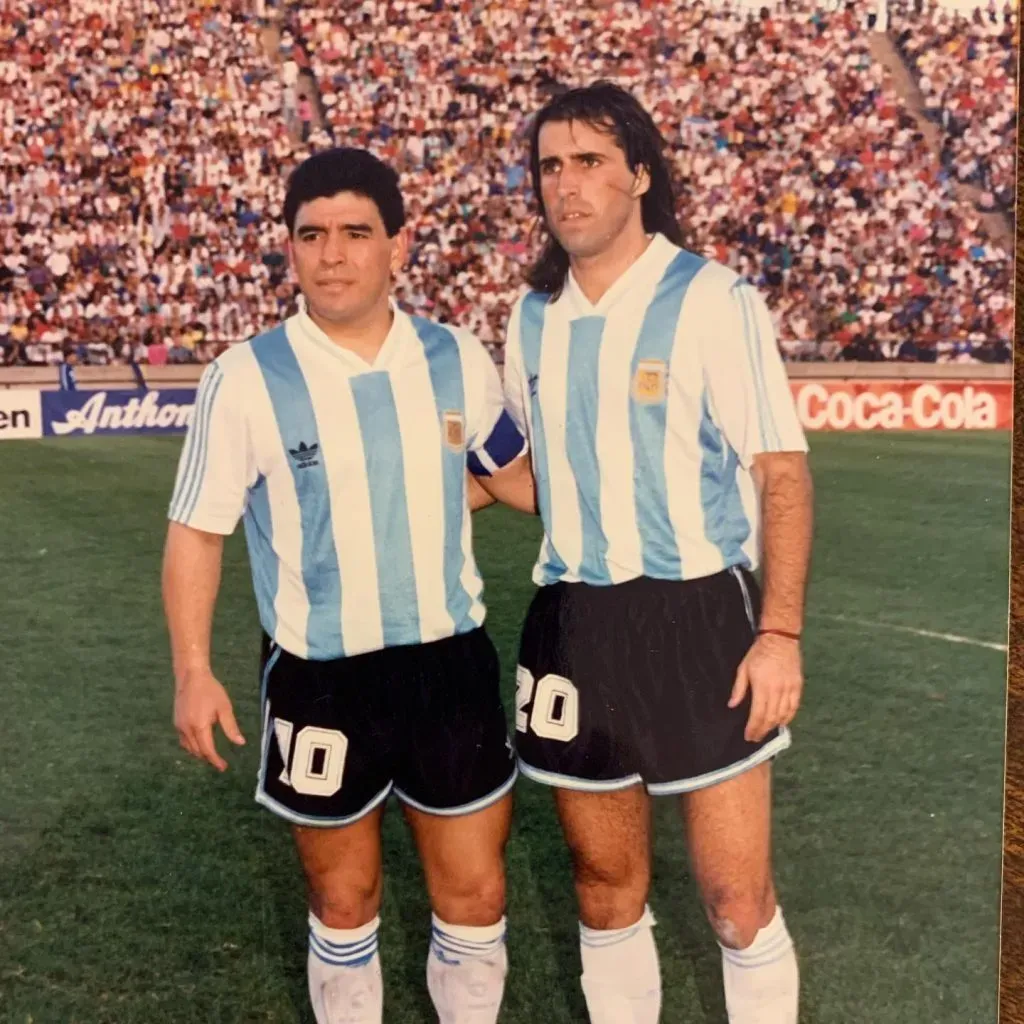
(596, 274)
(364, 337)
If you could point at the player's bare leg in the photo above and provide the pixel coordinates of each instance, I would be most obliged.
(729, 835)
(343, 870)
(609, 838)
(343, 876)
(464, 863)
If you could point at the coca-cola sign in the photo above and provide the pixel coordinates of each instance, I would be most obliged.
(903, 404)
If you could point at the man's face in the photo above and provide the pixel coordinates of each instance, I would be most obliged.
(590, 194)
(342, 256)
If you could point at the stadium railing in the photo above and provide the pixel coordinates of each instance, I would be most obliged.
(45, 378)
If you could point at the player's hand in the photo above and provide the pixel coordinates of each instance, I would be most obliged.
(773, 672)
(200, 702)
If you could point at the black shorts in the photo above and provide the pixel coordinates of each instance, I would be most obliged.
(630, 683)
(424, 720)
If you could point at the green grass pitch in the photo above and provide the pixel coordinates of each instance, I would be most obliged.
(139, 887)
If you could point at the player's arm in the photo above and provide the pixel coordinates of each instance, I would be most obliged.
(773, 668)
(498, 453)
(208, 499)
(512, 485)
(190, 582)
(786, 494)
(752, 401)
(477, 496)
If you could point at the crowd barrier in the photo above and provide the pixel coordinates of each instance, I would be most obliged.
(841, 400)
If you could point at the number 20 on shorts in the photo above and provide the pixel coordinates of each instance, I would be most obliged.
(555, 714)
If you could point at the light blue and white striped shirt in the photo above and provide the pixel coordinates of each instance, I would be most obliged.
(350, 480)
(644, 413)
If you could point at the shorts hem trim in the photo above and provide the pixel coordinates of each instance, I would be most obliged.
(573, 782)
(781, 742)
(316, 822)
(454, 812)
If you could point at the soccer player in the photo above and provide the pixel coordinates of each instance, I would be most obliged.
(668, 456)
(342, 440)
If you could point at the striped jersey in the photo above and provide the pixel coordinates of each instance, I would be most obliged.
(350, 480)
(644, 413)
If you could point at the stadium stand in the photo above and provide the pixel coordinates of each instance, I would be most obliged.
(142, 157)
(145, 147)
(965, 66)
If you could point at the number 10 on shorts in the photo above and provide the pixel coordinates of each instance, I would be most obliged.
(556, 706)
(317, 758)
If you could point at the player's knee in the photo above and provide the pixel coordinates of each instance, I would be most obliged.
(621, 871)
(473, 895)
(344, 902)
(612, 891)
(736, 915)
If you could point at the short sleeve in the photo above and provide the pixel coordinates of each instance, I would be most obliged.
(492, 438)
(216, 465)
(746, 376)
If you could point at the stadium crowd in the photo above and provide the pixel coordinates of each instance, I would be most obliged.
(965, 66)
(144, 147)
(142, 158)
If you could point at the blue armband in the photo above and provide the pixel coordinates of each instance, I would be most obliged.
(503, 446)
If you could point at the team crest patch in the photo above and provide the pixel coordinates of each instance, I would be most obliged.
(454, 430)
(649, 383)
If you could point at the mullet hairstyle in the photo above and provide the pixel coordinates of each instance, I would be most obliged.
(608, 108)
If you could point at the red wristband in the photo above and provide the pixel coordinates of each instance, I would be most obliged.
(779, 632)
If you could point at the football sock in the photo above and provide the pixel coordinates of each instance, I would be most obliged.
(762, 981)
(466, 969)
(621, 976)
(345, 984)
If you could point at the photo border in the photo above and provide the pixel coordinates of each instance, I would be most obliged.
(1011, 921)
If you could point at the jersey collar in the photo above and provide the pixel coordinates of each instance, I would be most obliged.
(579, 305)
(400, 325)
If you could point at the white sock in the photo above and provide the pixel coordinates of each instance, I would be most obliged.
(762, 982)
(466, 969)
(621, 976)
(345, 984)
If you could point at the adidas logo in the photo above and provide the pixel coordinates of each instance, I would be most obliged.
(305, 455)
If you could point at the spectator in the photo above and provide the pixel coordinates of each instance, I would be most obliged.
(157, 353)
(305, 111)
(67, 375)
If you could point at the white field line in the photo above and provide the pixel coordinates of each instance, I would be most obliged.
(949, 637)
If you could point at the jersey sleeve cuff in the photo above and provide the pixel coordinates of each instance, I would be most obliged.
(777, 447)
(206, 524)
